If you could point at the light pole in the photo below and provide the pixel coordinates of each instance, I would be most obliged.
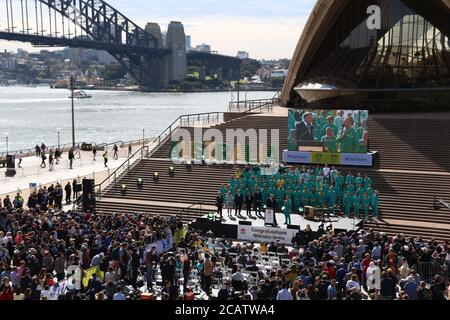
(7, 143)
(143, 137)
(72, 88)
(59, 147)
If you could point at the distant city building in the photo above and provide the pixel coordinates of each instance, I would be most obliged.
(242, 55)
(203, 48)
(22, 54)
(164, 39)
(8, 63)
(105, 58)
(188, 43)
(278, 74)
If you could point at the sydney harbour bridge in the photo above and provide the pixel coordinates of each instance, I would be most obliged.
(94, 24)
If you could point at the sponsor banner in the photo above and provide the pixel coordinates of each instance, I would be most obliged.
(326, 158)
(297, 157)
(267, 234)
(339, 159)
(163, 245)
(360, 160)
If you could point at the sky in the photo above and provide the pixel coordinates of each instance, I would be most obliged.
(267, 29)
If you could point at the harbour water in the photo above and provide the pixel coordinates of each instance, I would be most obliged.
(30, 116)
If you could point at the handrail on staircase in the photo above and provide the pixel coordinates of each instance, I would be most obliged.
(249, 106)
(189, 208)
(148, 150)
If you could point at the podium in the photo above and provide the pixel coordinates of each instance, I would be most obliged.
(269, 217)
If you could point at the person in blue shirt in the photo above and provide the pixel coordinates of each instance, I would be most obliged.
(340, 275)
(356, 204)
(411, 288)
(332, 290)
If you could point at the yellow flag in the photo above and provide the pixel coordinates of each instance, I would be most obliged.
(88, 274)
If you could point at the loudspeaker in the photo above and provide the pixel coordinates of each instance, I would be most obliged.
(291, 226)
(245, 223)
(10, 173)
(10, 162)
(88, 186)
(78, 187)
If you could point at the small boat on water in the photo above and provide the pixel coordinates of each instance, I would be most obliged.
(80, 95)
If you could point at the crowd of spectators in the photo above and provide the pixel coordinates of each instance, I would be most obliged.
(39, 249)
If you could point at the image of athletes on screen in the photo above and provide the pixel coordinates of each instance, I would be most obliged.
(336, 131)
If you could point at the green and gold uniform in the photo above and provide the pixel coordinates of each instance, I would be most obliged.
(356, 204)
(375, 204)
(359, 181)
(348, 201)
(329, 144)
(366, 205)
(348, 140)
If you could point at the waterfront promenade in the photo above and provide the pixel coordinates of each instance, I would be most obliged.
(83, 167)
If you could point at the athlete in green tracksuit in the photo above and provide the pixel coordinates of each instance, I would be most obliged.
(321, 199)
(297, 200)
(348, 201)
(359, 180)
(356, 204)
(306, 195)
(375, 204)
(287, 210)
(350, 179)
(347, 137)
(329, 141)
(367, 182)
(331, 199)
(366, 205)
(340, 186)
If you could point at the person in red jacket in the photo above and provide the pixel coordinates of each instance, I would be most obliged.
(6, 290)
(330, 269)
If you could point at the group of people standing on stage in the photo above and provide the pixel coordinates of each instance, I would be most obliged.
(292, 189)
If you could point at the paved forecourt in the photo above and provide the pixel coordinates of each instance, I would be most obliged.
(83, 166)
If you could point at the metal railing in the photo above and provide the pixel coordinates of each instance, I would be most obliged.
(427, 270)
(257, 106)
(190, 120)
(188, 210)
(124, 168)
(66, 147)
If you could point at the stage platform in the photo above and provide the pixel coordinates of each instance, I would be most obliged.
(253, 228)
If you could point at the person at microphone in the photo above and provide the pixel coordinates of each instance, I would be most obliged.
(304, 129)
